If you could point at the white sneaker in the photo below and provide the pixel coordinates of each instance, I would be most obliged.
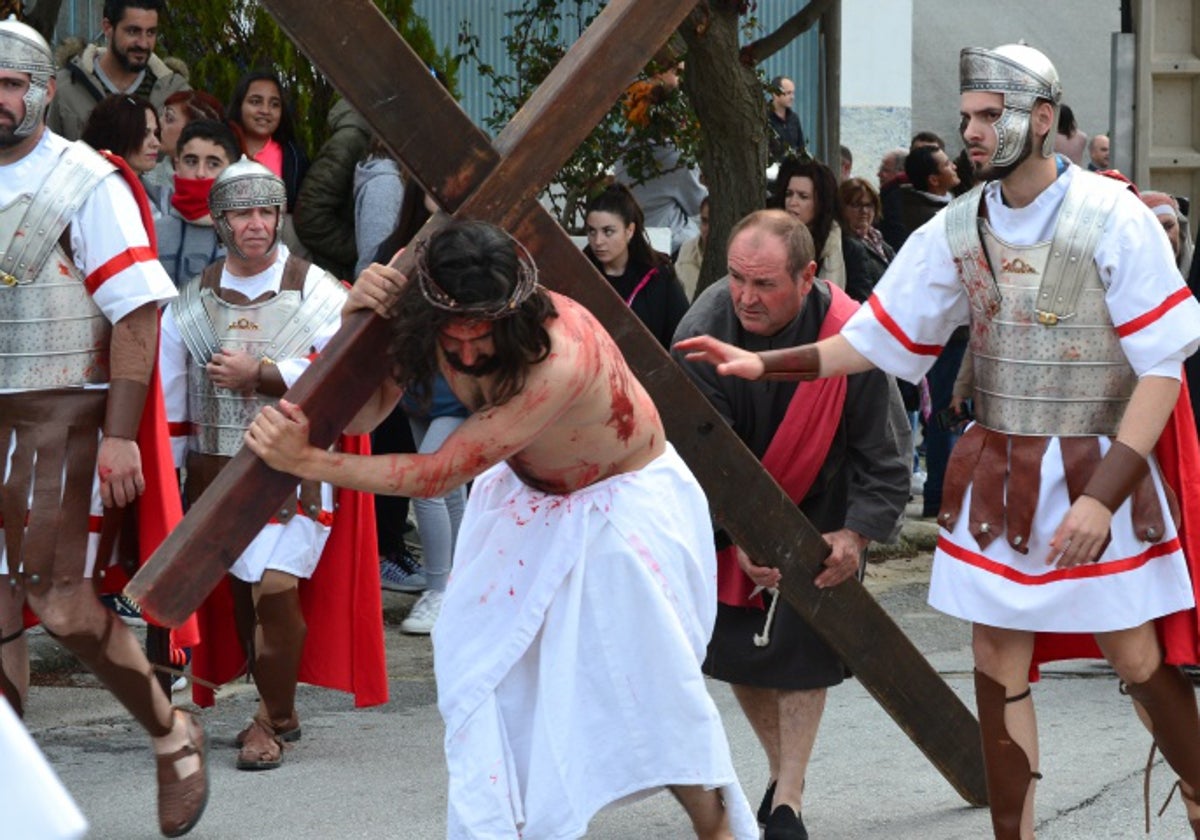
(918, 483)
(424, 614)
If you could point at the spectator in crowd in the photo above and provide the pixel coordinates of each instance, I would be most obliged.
(386, 216)
(691, 255)
(263, 120)
(786, 138)
(127, 126)
(1098, 153)
(187, 241)
(932, 178)
(670, 194)
(807, 190)
(325, 214)
(1069, 140)
(891, 179)
(847, 164)
(1166, 208)
(619, 247)
(126, 65)
(866, 254)
(180, 108)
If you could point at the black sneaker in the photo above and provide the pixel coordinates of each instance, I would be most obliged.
(785, 824)
(764, 808)
(400, 572)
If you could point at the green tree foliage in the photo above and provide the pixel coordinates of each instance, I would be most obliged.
(221, 40)
(540, 33)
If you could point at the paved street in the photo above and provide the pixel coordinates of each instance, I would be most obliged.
(379, 773)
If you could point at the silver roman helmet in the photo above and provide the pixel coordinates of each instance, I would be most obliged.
(1022, 75)
(22, 49)
(242, 185)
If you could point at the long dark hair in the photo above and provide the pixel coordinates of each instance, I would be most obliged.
(285, 132)
(475, 263)
(824, 194)
(618, 200)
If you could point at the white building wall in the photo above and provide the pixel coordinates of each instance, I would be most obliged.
(1075, 34)
(877, 74)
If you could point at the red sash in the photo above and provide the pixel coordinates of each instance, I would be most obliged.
(797, 450)
(1178, 454)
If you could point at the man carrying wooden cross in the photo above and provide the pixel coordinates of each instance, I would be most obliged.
(568, 649)
(1057, 514)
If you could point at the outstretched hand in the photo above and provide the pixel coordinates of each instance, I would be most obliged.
(728, 359)
(280, 437)
(377, 289)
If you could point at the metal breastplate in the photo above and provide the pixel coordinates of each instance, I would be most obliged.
(1047, 358)
(280, 327)
(52, 334)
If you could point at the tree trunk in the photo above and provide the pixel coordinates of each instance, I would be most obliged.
(43, 17)
(728, 101)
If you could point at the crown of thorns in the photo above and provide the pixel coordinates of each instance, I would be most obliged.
(439, 298)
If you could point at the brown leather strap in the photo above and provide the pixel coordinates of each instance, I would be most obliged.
(45, 514)
(1147, 512)
(295, 272)
(1120, 471)
(1080, 456)
(310, 499)
(792, 363)
(1005, 763)
(123, 415)
(202, 470)
(1024, 485)
(270, 380)
(987, 490)
(959, 471)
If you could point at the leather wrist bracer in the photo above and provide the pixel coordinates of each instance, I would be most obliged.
(123, 413)
(802, 363)
(1118, 473)
(270, 380)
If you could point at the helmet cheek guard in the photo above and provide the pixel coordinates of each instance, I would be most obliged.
(24, 50)
(1023, 76)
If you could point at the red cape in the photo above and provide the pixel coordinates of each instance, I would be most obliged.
(1178, 454)
(342, 604)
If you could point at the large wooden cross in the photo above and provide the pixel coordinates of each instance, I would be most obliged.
(455, 162)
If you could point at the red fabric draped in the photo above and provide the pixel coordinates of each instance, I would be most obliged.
(797, 450)
(1178, 455)
(342, 605)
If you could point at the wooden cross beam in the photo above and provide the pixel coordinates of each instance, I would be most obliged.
(455, 162)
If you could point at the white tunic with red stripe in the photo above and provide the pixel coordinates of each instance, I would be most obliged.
(110, 248)
(294, 547)
(914, 309)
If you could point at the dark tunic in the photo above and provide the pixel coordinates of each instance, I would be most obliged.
(659, 304)
(862, 485)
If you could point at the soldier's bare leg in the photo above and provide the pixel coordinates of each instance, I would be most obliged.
(1008, 727)
(1166, 704)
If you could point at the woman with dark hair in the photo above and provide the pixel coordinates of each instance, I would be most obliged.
(127, 126)
(866, 255)
(1069, 141)
(644, 278)
(263, 121)
(807, 189)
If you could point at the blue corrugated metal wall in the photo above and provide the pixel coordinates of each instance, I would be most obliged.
(799, 61)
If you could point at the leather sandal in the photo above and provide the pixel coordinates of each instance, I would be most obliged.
(181, 801)
(289, 732)
(262, 749)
